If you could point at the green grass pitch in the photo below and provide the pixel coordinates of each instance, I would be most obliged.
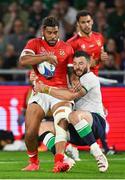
(12, 162)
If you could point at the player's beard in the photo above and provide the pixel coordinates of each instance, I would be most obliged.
(51, 42)
(84, 72)
(86, 32)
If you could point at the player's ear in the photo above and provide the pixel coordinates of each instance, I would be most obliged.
(92, 21)
(77, 27)
(42, 31)
(77, 24)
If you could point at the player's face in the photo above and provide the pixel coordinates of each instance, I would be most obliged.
(51, 35)
(80, 66)
(85, 24)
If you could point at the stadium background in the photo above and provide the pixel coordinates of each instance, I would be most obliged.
(20, 21)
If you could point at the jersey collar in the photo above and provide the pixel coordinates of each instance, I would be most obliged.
(80, 35)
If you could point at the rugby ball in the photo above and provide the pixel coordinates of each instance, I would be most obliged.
(46, 69)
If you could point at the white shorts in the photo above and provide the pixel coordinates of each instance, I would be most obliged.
(45, 101)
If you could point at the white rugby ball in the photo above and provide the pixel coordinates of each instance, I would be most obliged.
(46, 69)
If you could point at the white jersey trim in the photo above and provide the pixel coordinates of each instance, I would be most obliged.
(70, 65)
(24, 52)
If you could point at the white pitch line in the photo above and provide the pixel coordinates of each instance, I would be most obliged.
(110, 159)
(49, 161)
(14, 162)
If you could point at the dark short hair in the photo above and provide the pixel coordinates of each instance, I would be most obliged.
(83, 13)
(82, 54)
(50, 21)
(6, 135)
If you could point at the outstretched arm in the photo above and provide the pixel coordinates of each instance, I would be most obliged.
(65, 94)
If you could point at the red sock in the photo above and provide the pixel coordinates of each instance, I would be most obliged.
(33, 156)
(58, 157)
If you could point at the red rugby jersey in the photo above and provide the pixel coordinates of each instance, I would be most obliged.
(92, 45)
(64, 53)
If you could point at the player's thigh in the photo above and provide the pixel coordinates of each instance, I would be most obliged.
(76, 116)
(46, 126)
(34, 114)
(43, 100)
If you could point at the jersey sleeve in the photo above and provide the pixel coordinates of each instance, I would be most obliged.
(72, 42)
(89, 81)
(31, 47)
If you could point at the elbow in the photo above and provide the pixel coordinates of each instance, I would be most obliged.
(70, 98)
(22, 61)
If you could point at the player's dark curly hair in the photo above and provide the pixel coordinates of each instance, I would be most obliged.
(50, 21)
(83, 13)
(82, 54)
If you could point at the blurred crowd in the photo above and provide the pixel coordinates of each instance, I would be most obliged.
(21, 20)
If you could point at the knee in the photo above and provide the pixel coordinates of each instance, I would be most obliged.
(73, 117)
(34, 112)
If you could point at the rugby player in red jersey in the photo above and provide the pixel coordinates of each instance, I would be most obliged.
(88, 40)
(50, 49)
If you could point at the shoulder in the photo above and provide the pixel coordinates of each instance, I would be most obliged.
(90, 78)
(65, 45)
(93, 77)
(74, 38)
(35, 40)
(97, 35)
(34, 44)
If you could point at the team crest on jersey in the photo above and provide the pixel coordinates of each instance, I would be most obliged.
(61, 52)
(98, 42)
(83, 46)
(43, 52)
